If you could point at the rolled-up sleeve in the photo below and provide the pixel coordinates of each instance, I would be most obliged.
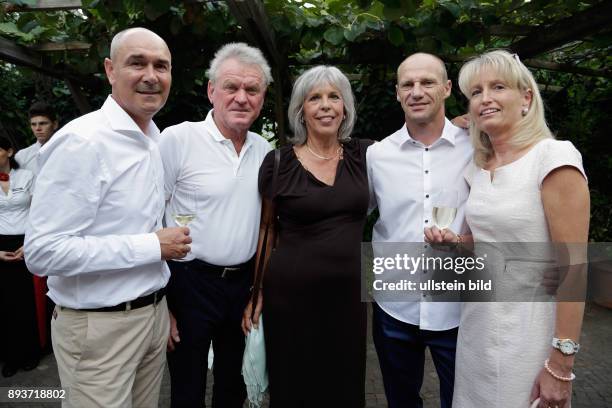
(67, 196)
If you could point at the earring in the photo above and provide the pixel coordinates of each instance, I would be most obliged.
(525, 111)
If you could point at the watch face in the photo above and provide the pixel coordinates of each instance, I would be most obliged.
(566, 347)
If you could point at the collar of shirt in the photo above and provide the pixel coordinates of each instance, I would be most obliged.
(403, 137)
(213, 130)
(120, 121)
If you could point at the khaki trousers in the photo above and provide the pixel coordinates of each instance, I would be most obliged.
(111, 359)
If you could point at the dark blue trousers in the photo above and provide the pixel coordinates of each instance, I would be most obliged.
(207, 308)
(401, 353)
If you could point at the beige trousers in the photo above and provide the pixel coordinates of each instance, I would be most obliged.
(111, 359)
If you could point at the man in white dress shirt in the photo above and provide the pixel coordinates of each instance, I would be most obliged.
(406, 170)
(211, 169)
(43, 122)
(95, 229)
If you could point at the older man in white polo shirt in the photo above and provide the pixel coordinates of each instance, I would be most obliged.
(95, 230)
(211, 172)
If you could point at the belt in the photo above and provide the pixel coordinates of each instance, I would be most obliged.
(222, 271)
(150, 299)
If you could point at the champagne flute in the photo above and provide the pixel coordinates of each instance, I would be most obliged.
(445, 203)
(189, 209)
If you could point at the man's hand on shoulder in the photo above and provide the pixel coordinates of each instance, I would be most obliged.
(462, 121)
(174, 242)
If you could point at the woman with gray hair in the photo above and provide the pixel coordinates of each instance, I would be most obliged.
(526, 187)
(315, 329)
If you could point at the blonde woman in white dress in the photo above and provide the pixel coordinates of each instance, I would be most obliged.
(525, 187)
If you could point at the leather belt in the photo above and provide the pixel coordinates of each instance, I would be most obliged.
(150, 299)
(222, 271)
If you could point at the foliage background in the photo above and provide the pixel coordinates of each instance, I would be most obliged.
(365, 38)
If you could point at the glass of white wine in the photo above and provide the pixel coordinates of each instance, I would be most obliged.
(188, 210)
(445, 203)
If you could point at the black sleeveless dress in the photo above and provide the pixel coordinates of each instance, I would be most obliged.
(315, 322)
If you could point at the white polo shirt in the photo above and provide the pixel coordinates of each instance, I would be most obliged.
(404, 175)
(199, 160)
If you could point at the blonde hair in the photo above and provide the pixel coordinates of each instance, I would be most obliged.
(532, 127)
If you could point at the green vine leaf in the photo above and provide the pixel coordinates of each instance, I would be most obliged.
(334, 35)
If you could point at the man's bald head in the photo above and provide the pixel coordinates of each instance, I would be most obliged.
(123, 35)
(139, 72)
(423, 57)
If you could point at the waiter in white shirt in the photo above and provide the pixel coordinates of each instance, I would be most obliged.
(406, 169)
(43, 122)
(95, 230)
(211, 169)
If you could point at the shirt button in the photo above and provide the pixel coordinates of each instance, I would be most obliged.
(426, 171)
(426, 221)
(427, 149)
(426, 195)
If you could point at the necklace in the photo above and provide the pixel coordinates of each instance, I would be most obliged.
(318, 156)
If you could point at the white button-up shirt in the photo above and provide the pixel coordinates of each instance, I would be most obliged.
(28, 158)
(205, 175)
(404, 175)
(97, 203)
(15, 203)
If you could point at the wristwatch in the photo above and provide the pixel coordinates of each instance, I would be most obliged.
(566, 346)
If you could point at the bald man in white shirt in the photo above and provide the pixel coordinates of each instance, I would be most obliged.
(95, 229)
(211, 172)
(405, 171)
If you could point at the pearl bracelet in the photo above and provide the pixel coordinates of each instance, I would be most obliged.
(572, 376)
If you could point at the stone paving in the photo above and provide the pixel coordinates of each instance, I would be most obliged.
(592, 388)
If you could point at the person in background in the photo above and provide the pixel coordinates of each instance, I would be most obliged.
(526, 187)
(44, 123)
(95, 228)
(19, 346)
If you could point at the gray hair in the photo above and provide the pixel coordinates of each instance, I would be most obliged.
(245, 54)
(118, 39)
(314, 77)
(532, 127)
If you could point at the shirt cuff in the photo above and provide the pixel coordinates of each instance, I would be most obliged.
(147, 249)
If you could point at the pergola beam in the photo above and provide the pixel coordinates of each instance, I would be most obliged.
(569, 68)
(17, 54)
(577, 26)
(20, 55)
(65, 46)
(46, 5)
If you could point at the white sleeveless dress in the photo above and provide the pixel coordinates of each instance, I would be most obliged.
(502, 346)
